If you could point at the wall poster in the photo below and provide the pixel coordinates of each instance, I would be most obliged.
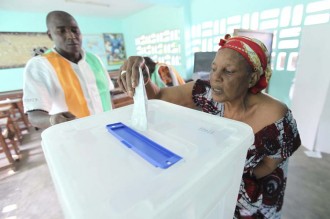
(17, 47)
(114, 48)
(94, 43)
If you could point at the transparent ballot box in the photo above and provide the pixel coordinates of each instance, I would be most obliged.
(97, 175)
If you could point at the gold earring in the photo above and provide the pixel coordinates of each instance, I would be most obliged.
(251, 84)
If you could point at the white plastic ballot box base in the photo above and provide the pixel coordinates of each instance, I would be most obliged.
(96, 176)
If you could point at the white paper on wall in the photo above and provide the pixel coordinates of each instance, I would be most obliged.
(323, 133)
(311, 89)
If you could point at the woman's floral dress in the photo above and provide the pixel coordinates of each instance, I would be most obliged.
(262, 198)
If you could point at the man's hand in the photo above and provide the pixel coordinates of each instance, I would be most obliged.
(42, 119)
(61, 117)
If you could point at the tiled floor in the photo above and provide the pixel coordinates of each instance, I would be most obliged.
(29, 192)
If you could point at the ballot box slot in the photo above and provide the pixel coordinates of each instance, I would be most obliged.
(149, 150)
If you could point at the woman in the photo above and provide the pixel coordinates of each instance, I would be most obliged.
(240, 71)
(163, 75)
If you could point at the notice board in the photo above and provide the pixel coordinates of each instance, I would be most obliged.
(16, 47)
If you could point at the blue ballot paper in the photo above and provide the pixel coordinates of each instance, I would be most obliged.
(143, 146)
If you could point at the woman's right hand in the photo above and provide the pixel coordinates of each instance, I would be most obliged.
(129, 74)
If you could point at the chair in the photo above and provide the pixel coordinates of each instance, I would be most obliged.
(17, 112)
(8, 111)
(8, 140)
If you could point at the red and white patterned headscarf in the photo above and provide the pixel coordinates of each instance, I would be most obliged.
(254, 51)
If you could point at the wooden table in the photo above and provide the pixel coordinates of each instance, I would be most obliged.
(11, 94)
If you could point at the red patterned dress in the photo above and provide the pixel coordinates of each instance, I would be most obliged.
(262, 198)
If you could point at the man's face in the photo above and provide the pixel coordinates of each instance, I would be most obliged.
(65, 33)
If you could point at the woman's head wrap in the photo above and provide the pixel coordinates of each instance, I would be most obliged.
(255, 53)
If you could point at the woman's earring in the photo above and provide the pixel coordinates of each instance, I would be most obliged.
(251, 83)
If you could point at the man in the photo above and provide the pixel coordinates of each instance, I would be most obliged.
(66, 82)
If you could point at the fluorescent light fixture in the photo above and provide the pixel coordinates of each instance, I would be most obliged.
(9, 208)
(89, 3)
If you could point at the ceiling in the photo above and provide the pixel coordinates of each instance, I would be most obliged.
(115, 9)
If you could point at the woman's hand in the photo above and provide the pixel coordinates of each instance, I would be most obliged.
(129, 79)
(129, 74)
